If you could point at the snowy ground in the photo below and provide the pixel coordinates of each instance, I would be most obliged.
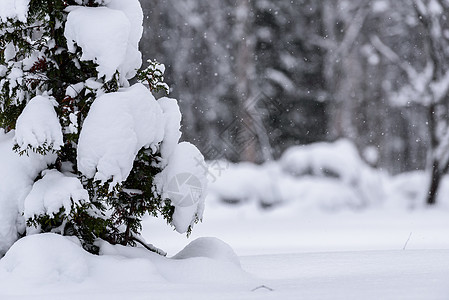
(284, 254)
(420, 274)
(251, 231)
(346, 255)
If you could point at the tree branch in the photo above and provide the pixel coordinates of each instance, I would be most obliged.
(149, 247)
(392, 56)
(354, 28)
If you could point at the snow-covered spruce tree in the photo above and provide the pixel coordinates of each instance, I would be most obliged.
(102, 153)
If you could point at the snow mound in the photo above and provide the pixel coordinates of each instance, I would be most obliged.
(14, 9)
(41, 262)
(329, 176)
(45, 258)
(17, 174)
(118, 125)
(38, 125)
(322, 194)
(339, 161)
(184, 182)
(209, 247)
(213, 268)
(53, 191)
(109, 36)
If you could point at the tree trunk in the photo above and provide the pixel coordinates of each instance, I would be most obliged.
(434, 183)
(245, 70)
(436, 172)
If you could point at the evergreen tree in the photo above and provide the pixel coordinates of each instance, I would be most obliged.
(44, 60)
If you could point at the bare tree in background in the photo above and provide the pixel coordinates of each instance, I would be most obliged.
(343, 22)
(428, 86)
(333, 66)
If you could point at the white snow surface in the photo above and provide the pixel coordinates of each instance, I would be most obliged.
(184, 182)
(38, 124)
(14, 9)
(118, 125)
(53, 191)
(108, 35)
(17, 174)
(292, 255)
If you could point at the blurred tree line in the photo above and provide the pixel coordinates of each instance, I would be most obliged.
(257, 76)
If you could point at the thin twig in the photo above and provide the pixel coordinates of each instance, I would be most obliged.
(262, 287)
(406, 242)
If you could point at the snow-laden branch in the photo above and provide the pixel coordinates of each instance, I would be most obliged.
(422, 86)
(393, 57)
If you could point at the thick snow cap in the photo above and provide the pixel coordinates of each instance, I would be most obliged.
(172, 134)
(38, 125)
(14, 9)
(53, 191)
(184, 182)
(117, 127)
(108, 35)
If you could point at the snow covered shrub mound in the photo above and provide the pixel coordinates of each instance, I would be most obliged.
(103, 153)
(45, 259)
(246, 182)
(205, 260)
(337, 160)
(327, 176)
(319, 194)
(209, 247)
(58, 266)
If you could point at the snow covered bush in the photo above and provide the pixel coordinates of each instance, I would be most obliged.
(83, 152)
(328, 176)
(338, 162)
(246, 182)
(335, 160)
